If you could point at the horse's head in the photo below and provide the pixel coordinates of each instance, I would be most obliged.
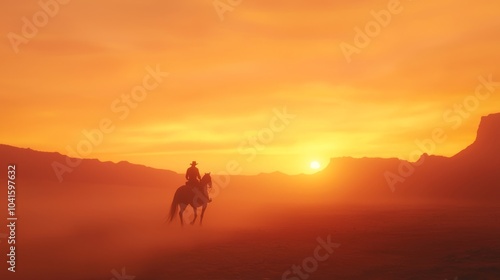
(206, 180)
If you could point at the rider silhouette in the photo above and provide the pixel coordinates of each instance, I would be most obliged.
(193, 175)
(193, 178)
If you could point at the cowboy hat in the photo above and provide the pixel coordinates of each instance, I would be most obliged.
(194, 163)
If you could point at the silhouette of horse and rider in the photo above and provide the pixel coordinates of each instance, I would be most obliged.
(194, 193)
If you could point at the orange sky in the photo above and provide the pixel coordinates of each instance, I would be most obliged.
(227, 78)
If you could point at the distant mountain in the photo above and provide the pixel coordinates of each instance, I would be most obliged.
(44, 166)
(487, 143)
(473, 173)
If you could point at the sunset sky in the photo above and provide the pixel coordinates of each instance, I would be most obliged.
(229, 76)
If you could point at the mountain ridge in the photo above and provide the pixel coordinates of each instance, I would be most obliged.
(54, 166)
(473, 172)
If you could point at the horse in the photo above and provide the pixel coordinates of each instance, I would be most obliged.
(191, 195)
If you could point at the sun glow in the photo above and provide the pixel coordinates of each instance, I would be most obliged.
(315, 165)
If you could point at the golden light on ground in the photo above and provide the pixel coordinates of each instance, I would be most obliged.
(315, 165)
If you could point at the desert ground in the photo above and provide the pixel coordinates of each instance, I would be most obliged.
(81, 231)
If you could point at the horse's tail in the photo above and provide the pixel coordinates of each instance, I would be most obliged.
(173, 208)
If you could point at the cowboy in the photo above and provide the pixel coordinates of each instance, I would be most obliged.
(193, 179)
(193, 175)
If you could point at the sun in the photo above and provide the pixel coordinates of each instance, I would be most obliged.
(315, 165)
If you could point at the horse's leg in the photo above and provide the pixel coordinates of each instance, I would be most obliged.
(195, 215)
(183, 207)
(203, 213)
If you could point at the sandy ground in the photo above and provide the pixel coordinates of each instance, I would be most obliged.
(73, 231)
